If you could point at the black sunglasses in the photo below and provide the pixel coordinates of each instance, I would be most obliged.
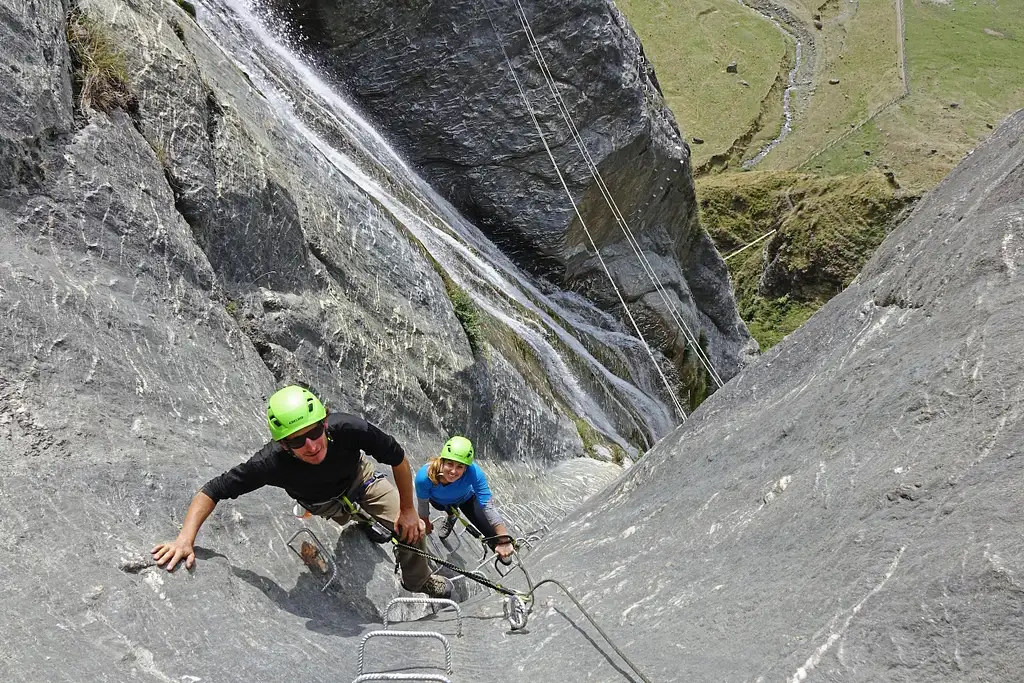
(294, 442)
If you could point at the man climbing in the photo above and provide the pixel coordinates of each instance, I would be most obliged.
(317, 460)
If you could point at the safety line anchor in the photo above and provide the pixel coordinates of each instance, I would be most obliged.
(515, 611)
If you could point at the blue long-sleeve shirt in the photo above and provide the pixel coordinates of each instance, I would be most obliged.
(471, 483)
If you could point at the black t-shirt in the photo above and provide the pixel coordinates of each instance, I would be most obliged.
(274, 465)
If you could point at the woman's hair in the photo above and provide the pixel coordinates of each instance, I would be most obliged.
(434, 470)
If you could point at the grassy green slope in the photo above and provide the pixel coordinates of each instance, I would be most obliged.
(825, 228)
(690, 43)
(966, 73)
(858, 47)
(965, 64)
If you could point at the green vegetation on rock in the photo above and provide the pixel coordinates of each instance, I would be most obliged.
(825, 230)
(466, 312)
(99, 71)
(187, 7)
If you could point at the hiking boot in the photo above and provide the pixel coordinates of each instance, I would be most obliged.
(448, 527)
(438, 587)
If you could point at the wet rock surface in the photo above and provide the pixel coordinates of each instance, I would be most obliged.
(435, 76)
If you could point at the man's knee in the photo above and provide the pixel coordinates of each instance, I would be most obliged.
(382, 500)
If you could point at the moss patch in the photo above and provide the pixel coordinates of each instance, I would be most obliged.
(770, 320)
(100, 72)
(588, 434)
(693, 376)
(826, 227)
(466, 312)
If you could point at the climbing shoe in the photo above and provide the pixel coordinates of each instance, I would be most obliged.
(438, 587)
(448, 527)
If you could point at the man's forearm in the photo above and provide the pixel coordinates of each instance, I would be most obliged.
(403, 480)
(200, 508)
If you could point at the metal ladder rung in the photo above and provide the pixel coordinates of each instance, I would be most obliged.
(438, 678)
(321, 549)
(407, 634)
(438, 602)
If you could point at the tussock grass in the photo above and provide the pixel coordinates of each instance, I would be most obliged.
(466, 312)
(99, 68)
(187, 7)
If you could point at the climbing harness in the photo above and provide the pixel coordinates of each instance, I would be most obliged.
(517, 603)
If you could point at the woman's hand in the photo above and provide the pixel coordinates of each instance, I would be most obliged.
(428, 527)
(504, 550)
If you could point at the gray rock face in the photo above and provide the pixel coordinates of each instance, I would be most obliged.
(36, 104)
(162, 270)
(846, 509)
(435, 76)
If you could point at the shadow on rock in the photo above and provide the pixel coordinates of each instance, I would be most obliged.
(207, 554)
(602, 648)
(344, 609)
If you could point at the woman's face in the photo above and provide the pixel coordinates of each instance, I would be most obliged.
(451, 471)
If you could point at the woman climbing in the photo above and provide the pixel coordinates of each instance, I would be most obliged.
(452, 480)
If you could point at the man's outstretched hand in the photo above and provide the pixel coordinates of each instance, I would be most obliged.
(409, 527)
(168, 555)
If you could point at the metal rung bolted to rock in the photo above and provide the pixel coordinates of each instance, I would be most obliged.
(435, 602)
(407, 634)
(503, 569)
(314, 554)
(387, 676)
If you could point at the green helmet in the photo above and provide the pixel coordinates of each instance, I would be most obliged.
(459, 449)
(291, 409)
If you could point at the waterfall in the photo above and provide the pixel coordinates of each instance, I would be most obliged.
(567, 334)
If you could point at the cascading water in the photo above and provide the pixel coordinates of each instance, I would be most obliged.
(564, 336)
